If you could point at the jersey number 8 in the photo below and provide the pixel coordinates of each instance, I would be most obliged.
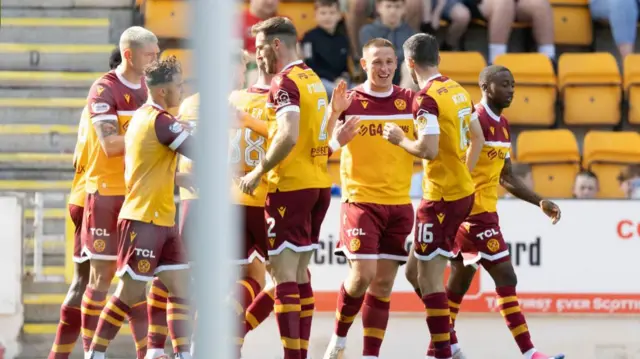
(253, 146)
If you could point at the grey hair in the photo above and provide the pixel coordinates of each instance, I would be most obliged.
(137, 36)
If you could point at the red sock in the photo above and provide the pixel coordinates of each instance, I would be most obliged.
(375, 316)
(510, 310)
(93, 302)
(454, 307)
(178, 315)
(110, 322)
(260, 309)
(307, 306)
(437, 308)
(246, 291)
(346, 312)
(67, 333)
(139, 325)
(157, 314)
(287, 310)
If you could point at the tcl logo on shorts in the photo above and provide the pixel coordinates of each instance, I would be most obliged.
(99, 232)
(144, 253)
(487, 234)
(627, 229)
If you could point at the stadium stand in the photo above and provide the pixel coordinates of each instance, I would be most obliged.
(553, 167)
(167, 19)
(465, 68)
(56, 79)
(185, 58)
(590, 85)
(606, 154)
(535, 96)
(572, 22)
(632, 87)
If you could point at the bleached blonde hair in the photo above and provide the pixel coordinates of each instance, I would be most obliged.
(137, 36)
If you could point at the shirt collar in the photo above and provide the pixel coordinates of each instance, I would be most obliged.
(119, 73)
(434, 77)
(292, 64)
(366, 87)
(488, 109)
(155, 105)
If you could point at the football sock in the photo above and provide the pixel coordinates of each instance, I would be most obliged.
(111, 320)
(287, 309)
(260, 309)
(139, 325)
(346, 312)
(67, 332)
(454, 308)
(375, 316)
(93, 301)
(437, 308)
(178, 319)
(157, 314)
(510, 310)
(307, 306)
(246, 290)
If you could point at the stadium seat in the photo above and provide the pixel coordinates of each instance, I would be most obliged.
(554, 159)
(185, 58)
(167, 19)
(465, 68)
(535, 96)
(572, 22)
(302, 14)
(606, 153)
(590, 85)
(632, 86)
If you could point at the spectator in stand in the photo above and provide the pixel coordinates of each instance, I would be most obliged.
(629, 180)
(389, 25)
(586, 185)
(358, 11)
(325, 50)
(622, 16)
(258, 10)
(500, 15)
(456, 14)
(524, 172)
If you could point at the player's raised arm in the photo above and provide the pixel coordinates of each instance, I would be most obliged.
(104, 117)
(476, 142)
(428, 129)
(343, 130)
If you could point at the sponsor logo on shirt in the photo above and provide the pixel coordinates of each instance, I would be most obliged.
(100, 107)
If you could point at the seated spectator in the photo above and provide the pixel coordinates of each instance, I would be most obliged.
(586, 185)
(500, 14)
(389, 25)
(456, 14)
(258, 10)
(629, 180)
(622, 16)
(524, 172)
(358, 11)
(324, 50)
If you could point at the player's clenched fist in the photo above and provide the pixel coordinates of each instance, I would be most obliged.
(392, 133)
(249, 182)
(551, 210)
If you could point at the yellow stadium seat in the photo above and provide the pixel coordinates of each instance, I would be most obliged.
(606, 154)
(302, 14)
(590, 85)
(167, 19)
(632, 86)
(554, 159)
(535, 96)
(572, 22)
(464, 67)
(185, 58)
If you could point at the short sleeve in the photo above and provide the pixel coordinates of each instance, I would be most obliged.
(170, 132)
(425, 114)
(101, 103)
(474, 113)
(284, 95)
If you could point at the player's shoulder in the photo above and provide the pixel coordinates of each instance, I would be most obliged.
(402, 93)
(108, 79)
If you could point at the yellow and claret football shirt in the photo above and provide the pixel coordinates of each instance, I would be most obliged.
(189, 110)
(80, 154)
(444, 108)
(298, 89)
(486, 174)
(151, 159)
(372, 170)
(247, 148)
(111, 98)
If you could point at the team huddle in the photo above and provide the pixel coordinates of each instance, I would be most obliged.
(129, 149)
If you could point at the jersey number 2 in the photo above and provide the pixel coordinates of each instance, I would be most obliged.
(322, 106)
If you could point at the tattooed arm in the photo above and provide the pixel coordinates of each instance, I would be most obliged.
(112, 143)
(516, 186)
(104, 117)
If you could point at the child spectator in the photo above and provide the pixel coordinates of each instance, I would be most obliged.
(324, 49)
(585, 185)
(629, 180)
(389, 25)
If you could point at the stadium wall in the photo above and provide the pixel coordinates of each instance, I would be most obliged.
(11, 310)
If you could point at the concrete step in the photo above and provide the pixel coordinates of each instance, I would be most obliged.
(33, 160)
(34, 186)
(54, 57)
(7, 92)
(53, 79)
(38, 143)
(51, 30)
(49, 111)
(66, 4)
(35, 175)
